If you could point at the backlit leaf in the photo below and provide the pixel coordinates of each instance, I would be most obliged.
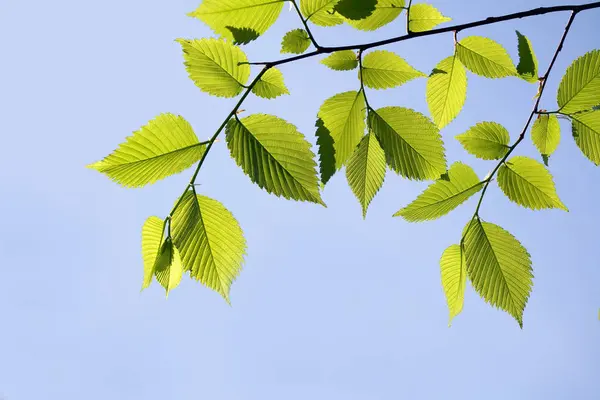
(498, 267)
(275, 156)
(341, 60)
(344, 116)
(529, 184)
(321, 12)
(424, 17)
(412, 143)
(528, 63)
(586, 131)
(383, 70)
(447, 91)
(152, 237)
(444, 195)
(226, 17)
(326, 152)
(485, 57)
(295, 42)
(355, 9)
(579, 89)
(545, 134)
(164, 147)
(270, 85)
(168, 268)
(486, 140)
(366, 170)
(385, 12)
(453, 268)
(210, 240)
(214, 66)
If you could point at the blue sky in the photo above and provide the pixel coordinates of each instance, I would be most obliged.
(328, 306)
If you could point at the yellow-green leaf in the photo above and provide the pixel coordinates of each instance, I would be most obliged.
(383, 70)
(152, 237)
(485, 57)
(385, 12)
(453, 268)
(529, 184)
(275, 156)
(545, 134)
(447, 91)
(579, 89)
(166, 146)
(216, 66)
(270, 85)
(586, 131)
(528, 63)
(345, 60)
(366, 170)
(168, 268)
(344, 116)
(321, 12)
(486, 140)
(412, 143)
(444, 195)
(499, 267)
(210, 240)
(295, 42)
(424, 17)
(228, 17)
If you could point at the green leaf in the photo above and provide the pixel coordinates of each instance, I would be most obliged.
(326, 152)
(164, 147)
(355, 9)
(424, 17)
(295, 42)
(214, 66)
(443, 196)
(225, 17)
(243, 35)
(366, 171)
(345, 60)
(152, 237)
(321, 12)
(168, 268)
(499, 267)
(579, 89)
(412, 143)
(344, 116)
(586, 131)
(384, 69)
(486, 140)
(385, 12)
(454, 279)
(546, 134)
(270, 85)
(211, 242)
(528, 63)
(529, 184)
(447, 91)
(485, 57)
(275, 156)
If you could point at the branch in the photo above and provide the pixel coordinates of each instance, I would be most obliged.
(310, 35)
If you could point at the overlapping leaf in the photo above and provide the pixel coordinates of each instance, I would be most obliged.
(168, 268)
(545, 134)
(275, 156)
(152, 238)
(366, 170)
(356, 9)
(499, 267)
(321, 12)
(327, 166)
(444, 195)
(210, 240)
(345, 60)
(164, 147)
(383, 70)
(447, 91)
(295, 42)
(424, 17)
(385, 12)
(412, 143)
(216, 66)
(344, 116)
(586, 131)
(270, 85)
(485, 57)
(529, 184)
(230, 17)
(453, 268)
(579, 89)
(486, 140)
(528, 63)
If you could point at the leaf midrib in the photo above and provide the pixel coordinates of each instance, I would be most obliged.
(126, 164)
(241, 8)
(486, 58)
(448, 198)
(581, 90)
(531, 184)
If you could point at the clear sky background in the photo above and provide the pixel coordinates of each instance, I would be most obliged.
(328, 306)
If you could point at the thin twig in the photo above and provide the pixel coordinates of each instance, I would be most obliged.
(408, 31)
(304, 22)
